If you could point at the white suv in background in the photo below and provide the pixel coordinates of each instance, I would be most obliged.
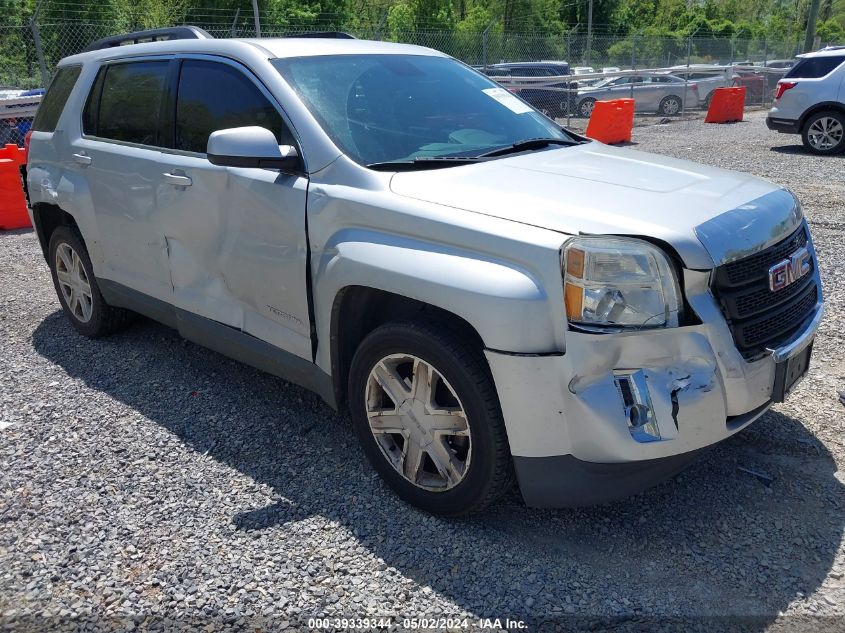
(810, 101)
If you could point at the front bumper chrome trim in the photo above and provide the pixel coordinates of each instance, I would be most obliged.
(801, 339)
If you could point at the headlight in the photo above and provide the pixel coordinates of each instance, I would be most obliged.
(617, 283)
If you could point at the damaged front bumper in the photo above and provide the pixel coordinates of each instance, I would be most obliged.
(573, 433)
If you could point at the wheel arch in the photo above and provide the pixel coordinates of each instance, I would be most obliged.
(358, 310)
(46, 218)
(820, 107)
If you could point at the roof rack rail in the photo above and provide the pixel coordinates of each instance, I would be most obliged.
(838, 47)
(153, 35)
(335, 35)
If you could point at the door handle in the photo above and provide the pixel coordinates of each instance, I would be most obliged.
(177, 180)
(82, 159)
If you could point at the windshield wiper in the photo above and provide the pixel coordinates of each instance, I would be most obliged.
(527, 144)
(437, 162)
(423, 162)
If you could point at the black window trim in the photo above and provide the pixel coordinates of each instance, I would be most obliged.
(251, 76)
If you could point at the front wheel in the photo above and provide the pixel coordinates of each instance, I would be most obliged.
(426, 412)
(824, 133)
(670, 105)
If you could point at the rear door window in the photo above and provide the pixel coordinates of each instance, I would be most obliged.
(130, 102)
(215, 96)
(814, 67)
(54, 101)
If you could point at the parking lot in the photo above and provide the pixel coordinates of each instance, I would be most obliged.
(146, 480)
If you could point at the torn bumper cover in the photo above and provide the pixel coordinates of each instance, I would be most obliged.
(618, 413)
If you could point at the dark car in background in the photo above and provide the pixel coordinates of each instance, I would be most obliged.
(756, 85)
(554, 97)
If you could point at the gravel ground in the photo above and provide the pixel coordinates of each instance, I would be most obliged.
(145, 481)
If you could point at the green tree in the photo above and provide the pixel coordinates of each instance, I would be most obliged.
(400, 20)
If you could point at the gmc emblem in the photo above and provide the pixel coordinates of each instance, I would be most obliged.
(789, 270)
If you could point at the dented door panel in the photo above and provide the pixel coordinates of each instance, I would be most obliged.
(237, 249)
(122, 180)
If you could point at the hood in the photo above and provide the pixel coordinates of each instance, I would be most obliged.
(598, 189)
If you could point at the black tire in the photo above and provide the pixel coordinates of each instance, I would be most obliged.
(585, 107)
(104, 319)
(820, 118)
(670, 106)
(490, 473)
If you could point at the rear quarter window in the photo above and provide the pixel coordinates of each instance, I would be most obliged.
(814, 67)
(47, 116)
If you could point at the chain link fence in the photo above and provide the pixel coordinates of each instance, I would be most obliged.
(20, 61)
(30, 52)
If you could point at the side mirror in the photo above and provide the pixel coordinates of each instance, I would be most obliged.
(251, 146)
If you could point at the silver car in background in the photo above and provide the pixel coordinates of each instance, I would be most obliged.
(664, 94)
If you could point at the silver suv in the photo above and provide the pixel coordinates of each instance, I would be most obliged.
(491, 296)
(810, 101)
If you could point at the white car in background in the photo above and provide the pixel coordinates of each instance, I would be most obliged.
(810, 101)
(585, 70)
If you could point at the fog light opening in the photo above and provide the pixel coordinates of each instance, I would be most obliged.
(638, 415)
(636, 403)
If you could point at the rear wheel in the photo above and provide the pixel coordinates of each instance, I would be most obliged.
(585, 107)
(77, 289)
(824, 133)
(427, 415)
(670, 106)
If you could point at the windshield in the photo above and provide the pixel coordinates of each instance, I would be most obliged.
(389, 108)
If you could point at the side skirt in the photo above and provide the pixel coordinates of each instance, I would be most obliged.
(224, 339)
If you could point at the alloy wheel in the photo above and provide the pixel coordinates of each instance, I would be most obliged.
(671, 105)
(418, 422)
(825, 133)
(74, 283)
